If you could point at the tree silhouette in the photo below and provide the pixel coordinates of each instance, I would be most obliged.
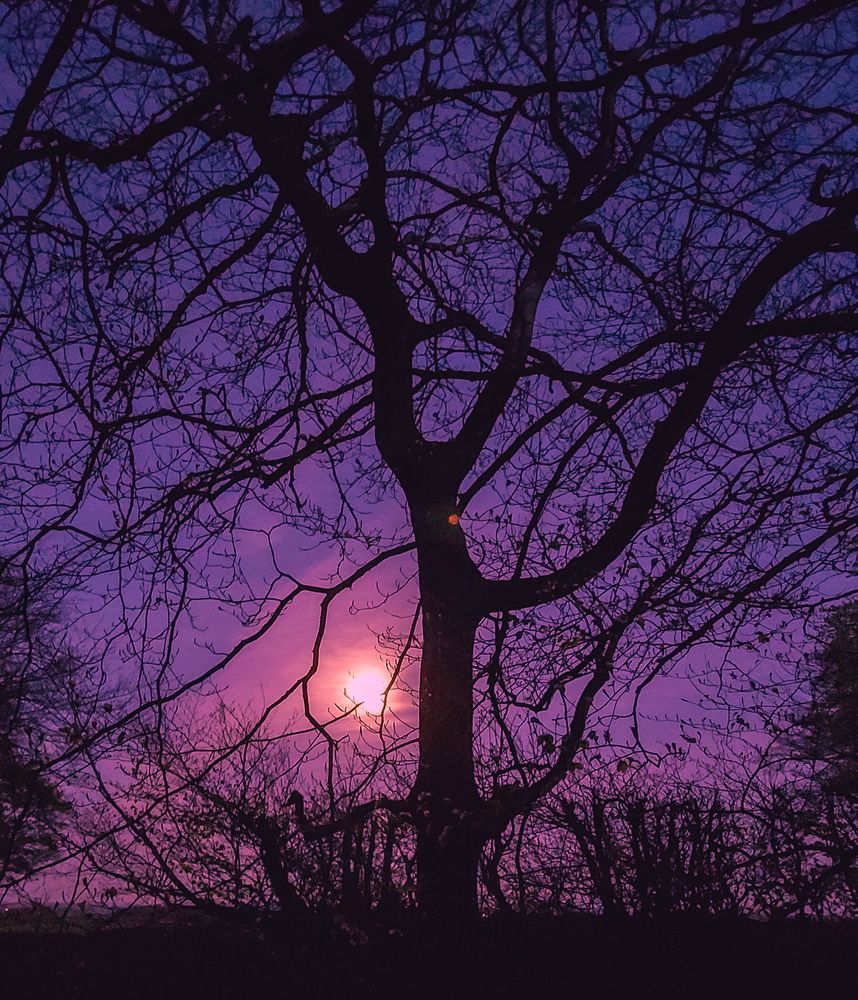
(549, 303)
(35, 670)
(830, 727)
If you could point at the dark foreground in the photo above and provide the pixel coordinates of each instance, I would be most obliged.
(541, 958)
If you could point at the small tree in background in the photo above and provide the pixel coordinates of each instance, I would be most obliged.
(37, 681)
(830, 735)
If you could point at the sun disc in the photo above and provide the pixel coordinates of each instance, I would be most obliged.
(366, 688)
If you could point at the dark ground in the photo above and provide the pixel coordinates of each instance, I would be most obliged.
(540, 958)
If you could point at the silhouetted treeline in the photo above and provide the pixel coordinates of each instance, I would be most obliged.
(237, 834)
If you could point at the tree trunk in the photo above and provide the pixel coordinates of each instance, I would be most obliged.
(446, 798)
(447, 874)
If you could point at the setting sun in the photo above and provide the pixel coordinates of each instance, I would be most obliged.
(366, 688)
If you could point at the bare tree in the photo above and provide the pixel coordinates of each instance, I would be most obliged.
(653, 844)
(213, 819)
(549, 303)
